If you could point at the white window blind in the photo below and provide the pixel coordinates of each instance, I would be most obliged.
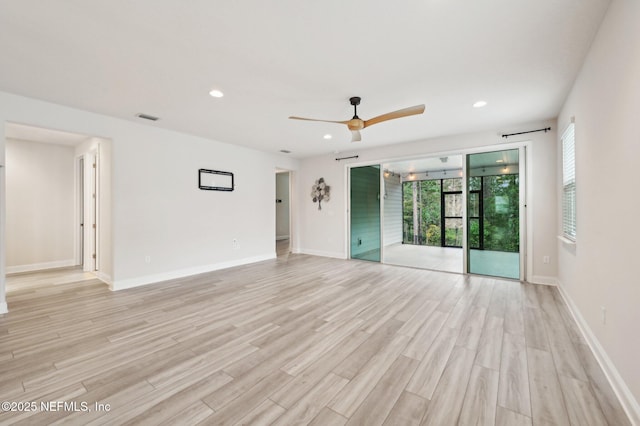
(569, 183)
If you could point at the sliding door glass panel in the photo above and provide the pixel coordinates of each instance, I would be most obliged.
(493, 210)
(365, 213)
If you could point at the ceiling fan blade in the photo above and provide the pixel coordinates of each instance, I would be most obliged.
(313, 119)
(406, 112)
(356, 136)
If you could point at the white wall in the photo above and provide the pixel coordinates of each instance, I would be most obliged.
(601, 271)
(392, 210)
(156, 207)
(282, 208)
(321, 232)
(324, 232)
(40, 198)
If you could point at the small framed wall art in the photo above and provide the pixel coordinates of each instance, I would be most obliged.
(215, 180)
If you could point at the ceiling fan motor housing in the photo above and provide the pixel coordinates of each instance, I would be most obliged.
(355, 123)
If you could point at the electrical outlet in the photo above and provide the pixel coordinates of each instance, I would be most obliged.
(147, 259)
(545, 259)
(603, 314)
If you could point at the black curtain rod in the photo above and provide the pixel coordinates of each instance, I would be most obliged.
(546, 129)
(346, 158)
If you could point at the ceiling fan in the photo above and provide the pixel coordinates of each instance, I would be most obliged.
(356, 123)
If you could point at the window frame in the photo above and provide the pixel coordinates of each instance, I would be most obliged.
(569, 222)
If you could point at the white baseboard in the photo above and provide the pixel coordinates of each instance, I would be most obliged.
(3, 308)
(282, 237)
(104, 278)
(40, 266)
(181, 273)
(336, 255)
(541, 279)
(626, 398)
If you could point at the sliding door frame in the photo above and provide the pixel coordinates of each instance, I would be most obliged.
(526, 199)
(525, 194)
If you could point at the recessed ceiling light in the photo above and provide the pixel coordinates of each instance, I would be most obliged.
(480, 104)
(216, 93)
(327, 136)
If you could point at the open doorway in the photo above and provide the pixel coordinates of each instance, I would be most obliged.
(283, 212)
(423, 213)
(53, 206)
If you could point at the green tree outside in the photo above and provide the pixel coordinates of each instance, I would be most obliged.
(500, 215)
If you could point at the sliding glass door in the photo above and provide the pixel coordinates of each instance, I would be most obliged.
(365, 213)
(493, 213)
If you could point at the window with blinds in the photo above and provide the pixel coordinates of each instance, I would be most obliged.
(569, 183)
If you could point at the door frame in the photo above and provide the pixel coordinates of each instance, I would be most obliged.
(88, 207)
(79, 221)
(290, 189)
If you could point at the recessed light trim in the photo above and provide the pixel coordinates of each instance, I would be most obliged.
(480, 104)
(216, 93)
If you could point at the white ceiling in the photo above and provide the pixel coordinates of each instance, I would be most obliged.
(291, 57)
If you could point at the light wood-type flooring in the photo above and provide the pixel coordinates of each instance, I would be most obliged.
(301, 340)
(447, 259)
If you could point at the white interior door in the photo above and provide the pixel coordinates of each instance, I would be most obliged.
(90, 212)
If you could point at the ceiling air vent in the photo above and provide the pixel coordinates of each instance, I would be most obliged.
(147, 117)
(285, 151)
